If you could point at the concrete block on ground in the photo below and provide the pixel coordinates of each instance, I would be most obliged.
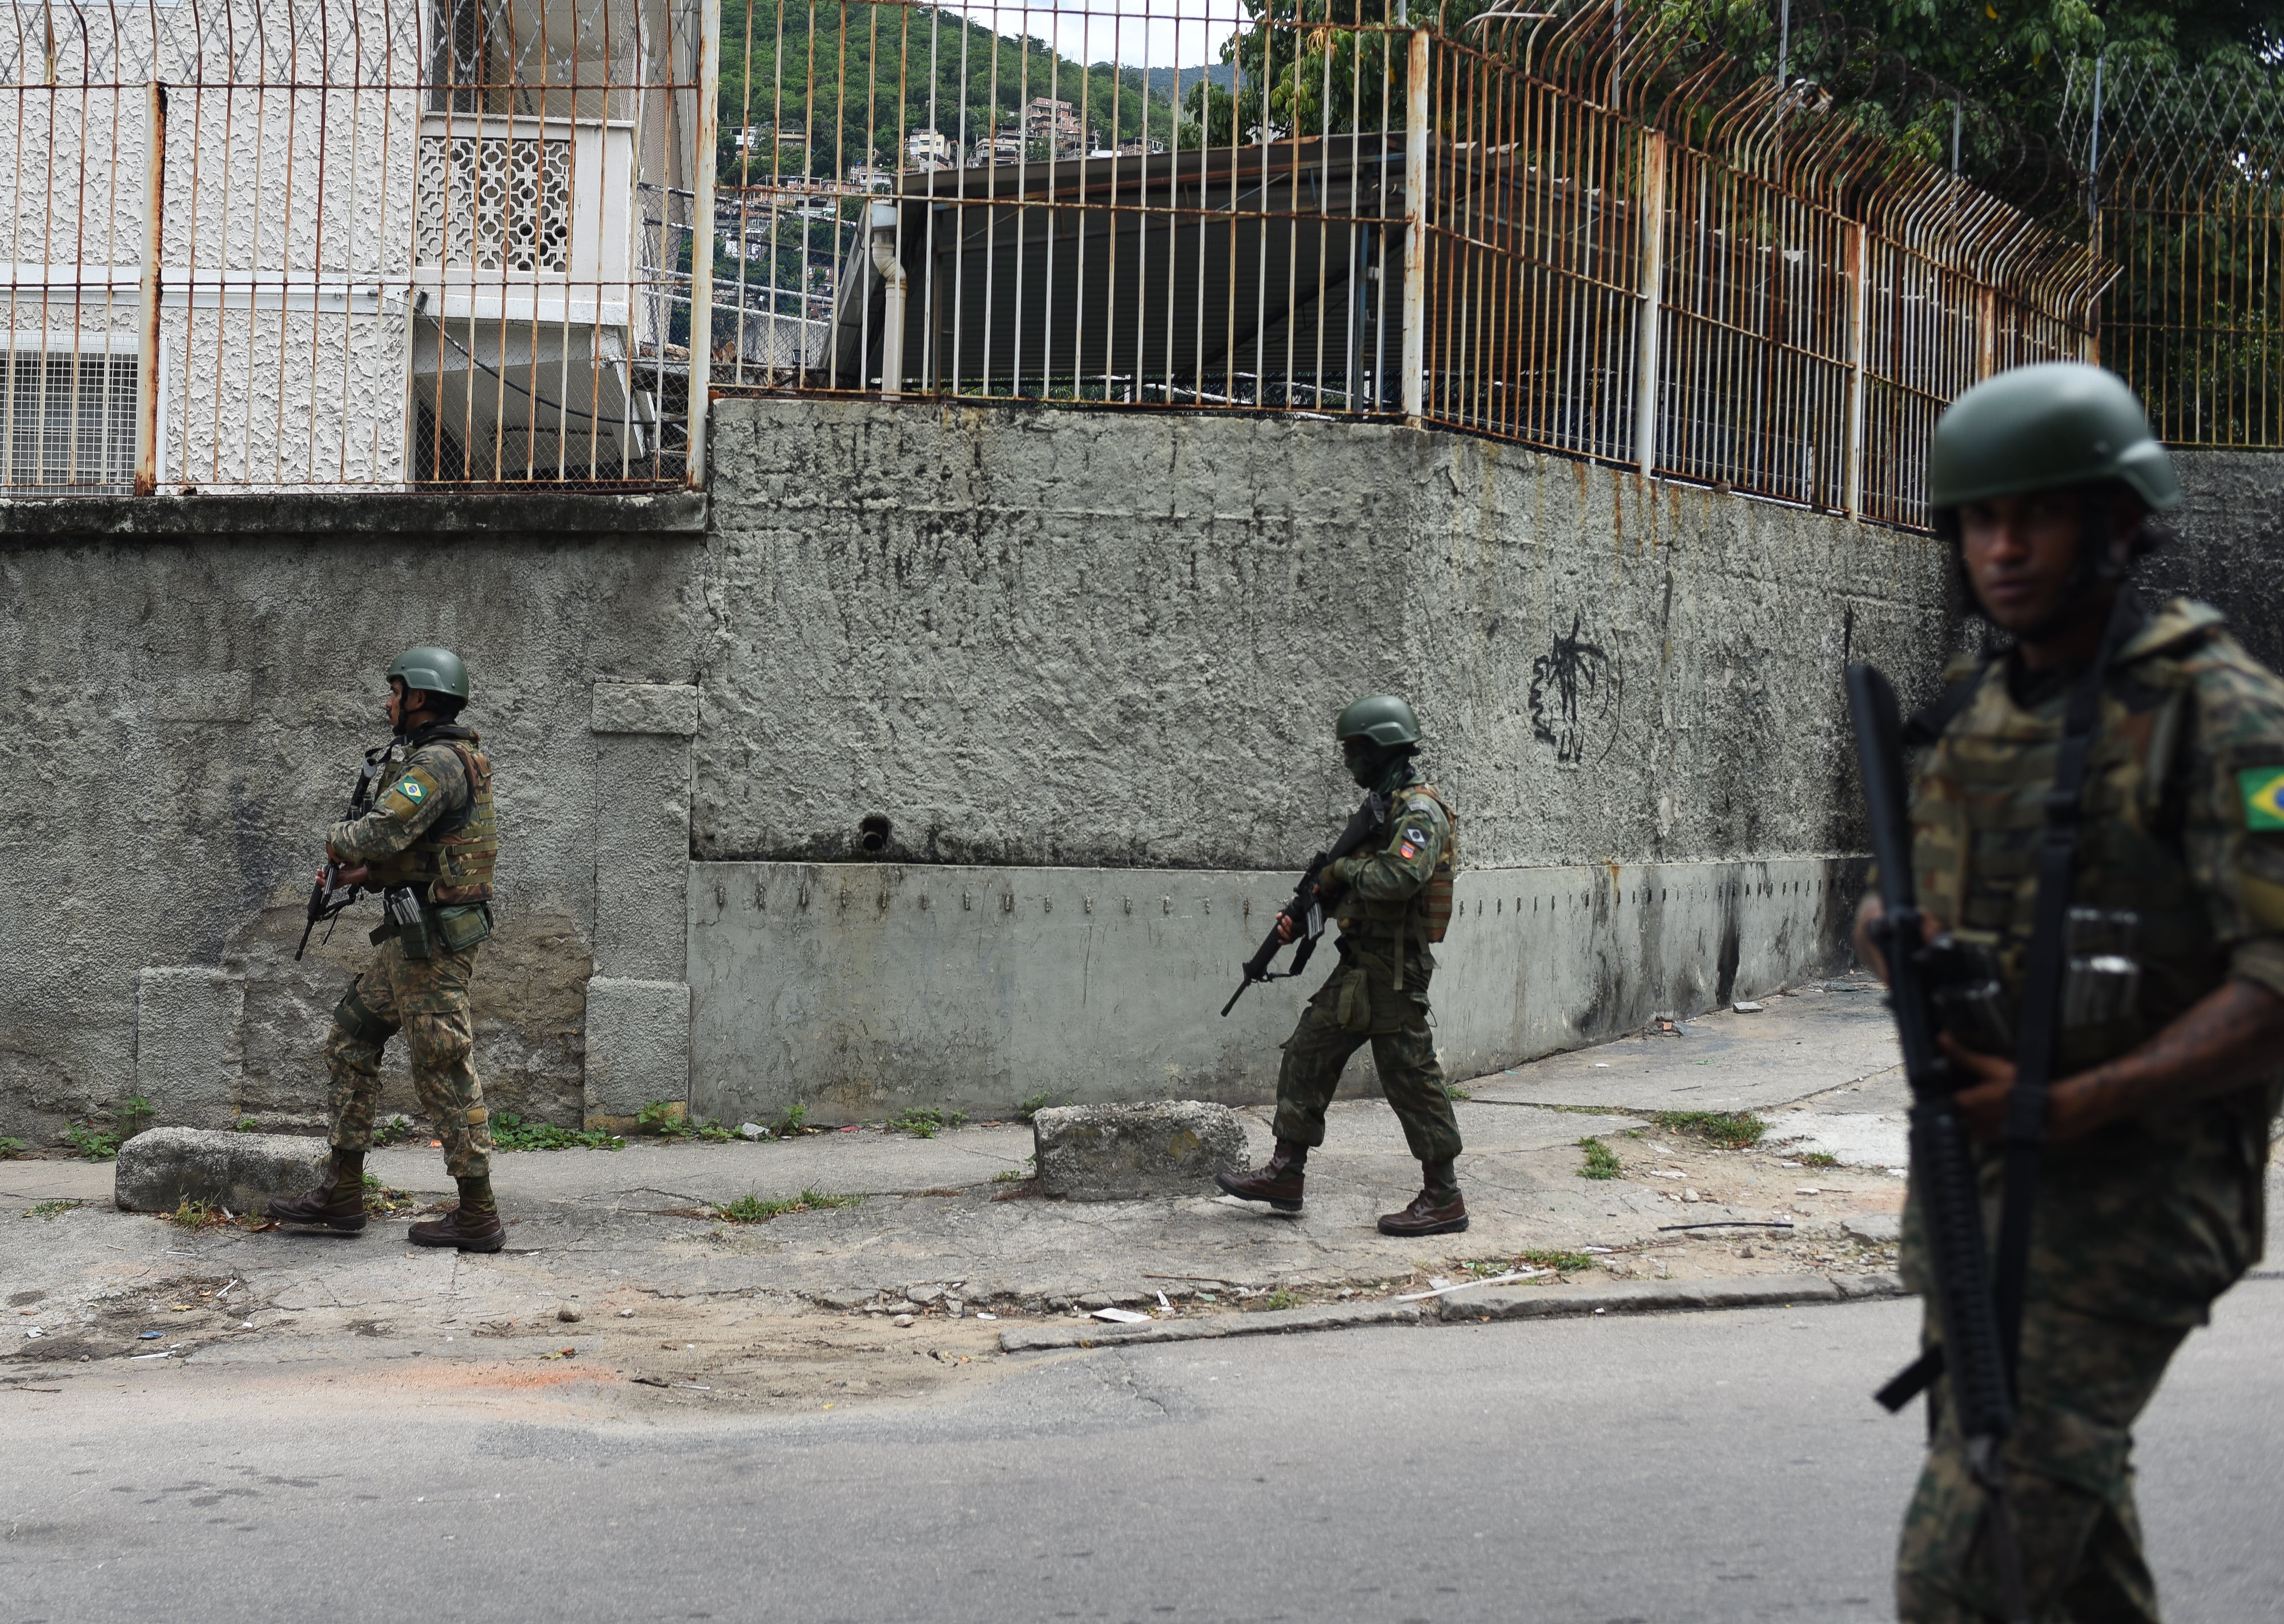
(1128, 1152)
(158, 1170)
(1637, 1297)
(638, 1047)
(189, 1043)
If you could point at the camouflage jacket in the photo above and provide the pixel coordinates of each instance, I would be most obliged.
(431, 827)
(1377, 893)
(2150, 1218)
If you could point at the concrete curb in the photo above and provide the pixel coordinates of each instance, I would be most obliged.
(1662, 1296)
(1491, 1303)
(1266, 1321)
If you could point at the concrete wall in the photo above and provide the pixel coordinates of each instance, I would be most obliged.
(1051, 657)
(190, 682)
(2228, 542)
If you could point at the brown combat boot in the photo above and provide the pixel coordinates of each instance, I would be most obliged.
(337, 1204)
(1278, 1184)
(473, 1226)
(1437, 1210)
(469, 1231)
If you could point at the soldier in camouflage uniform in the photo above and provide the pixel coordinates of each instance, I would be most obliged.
(1392, 903)
(2150, 1202)
(428, 846)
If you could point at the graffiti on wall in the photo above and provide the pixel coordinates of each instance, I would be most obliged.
(1574, 696)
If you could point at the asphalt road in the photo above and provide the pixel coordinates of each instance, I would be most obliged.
(1701, 1467)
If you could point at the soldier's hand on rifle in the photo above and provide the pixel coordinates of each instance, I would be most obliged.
(1286, 929)
(1869, 912)
(1984, 1102)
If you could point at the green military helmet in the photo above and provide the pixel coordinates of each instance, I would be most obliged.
(2042, 427)
(1384, 718)
(432, 670)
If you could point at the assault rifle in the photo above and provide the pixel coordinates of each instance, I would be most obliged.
(330, 897)
(1306, 909)
(1928, 981)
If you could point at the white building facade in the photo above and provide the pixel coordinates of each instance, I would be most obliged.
(265, 245)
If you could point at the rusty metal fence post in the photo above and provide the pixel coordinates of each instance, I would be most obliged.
(1648, 370)
(150, 289)
(1858, 274)
(702, 236)
(1415, 229)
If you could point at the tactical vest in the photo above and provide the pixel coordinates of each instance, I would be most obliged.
(1979, 815)
(1426, 912)
(455, 855)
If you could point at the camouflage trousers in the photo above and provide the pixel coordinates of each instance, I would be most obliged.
(2070, 1477)
(1357, 1005)
(428, 999)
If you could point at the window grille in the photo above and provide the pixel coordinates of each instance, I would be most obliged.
(493, 203)
(69, 421)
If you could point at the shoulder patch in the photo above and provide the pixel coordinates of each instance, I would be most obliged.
(2263, 789)
(411, 790)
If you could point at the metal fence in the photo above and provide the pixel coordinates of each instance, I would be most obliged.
(1544, 228)
(2187, 194)
(314, 243)
(398, 244)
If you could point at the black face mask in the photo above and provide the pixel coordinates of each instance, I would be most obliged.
(1366, 760)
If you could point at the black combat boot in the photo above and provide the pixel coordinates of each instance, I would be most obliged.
(338, 1203)
(473, 1226)
(1278, 1184)
(1437, 1210)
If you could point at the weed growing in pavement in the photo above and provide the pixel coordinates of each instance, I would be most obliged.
(1730, 1130)
(398, 1129)
(11, 1149)
(923, 1122)
(1030, 1107)
(510, 1132)
(1451, 1093)
(664, 1118)
(246, 1125)
(1280, 1298)
(1600, 1163)
(1818, 1159)
(52, 1210)
(796, 1121)
(1009, 1175)
(135, 1116)
(96, 1143)
(1561, 1262)
(190, 1215)
(753, 1209)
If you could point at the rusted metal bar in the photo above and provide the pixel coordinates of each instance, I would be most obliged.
(708, 98)
(149, 289)
(1416, 119)
(1649, 239)
(1858, 271)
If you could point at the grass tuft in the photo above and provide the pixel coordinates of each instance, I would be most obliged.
(11, 1149)
(755, 1209)
(96, 1143)
(1279, 1299)
(1818, 1159)
(52, 1210)
(923, 1122)
(1450, 1092)
(1561, 1262)
(190, 1215)
(1030, 1106)
(1730, 1130)
(510, 1132)
(1600, 1161)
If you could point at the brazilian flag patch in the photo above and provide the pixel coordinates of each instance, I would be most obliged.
(411, 791)
(2264, 797)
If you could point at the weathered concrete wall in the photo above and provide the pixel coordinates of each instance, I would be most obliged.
(190, 683)
(1038, 654)
(1113, 646)
(858, 988)
(1075, 638)
(2228, 545)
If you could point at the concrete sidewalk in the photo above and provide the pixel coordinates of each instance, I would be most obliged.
(634, 1226)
